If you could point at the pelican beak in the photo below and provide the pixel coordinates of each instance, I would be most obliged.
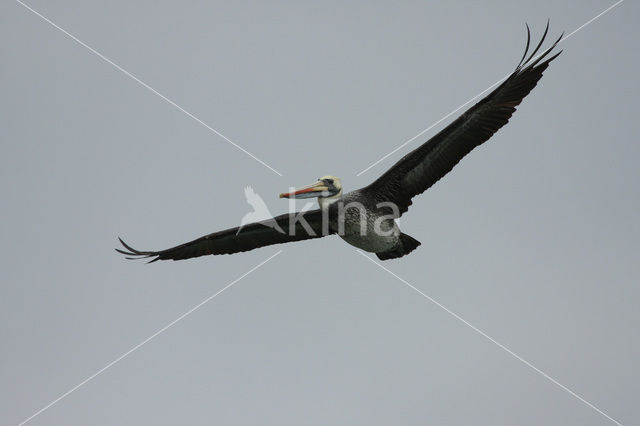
(317, 189)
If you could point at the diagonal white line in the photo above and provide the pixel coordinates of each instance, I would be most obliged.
(145, 85)
(500, 345)
(593, 19)
(136, 347)
(478, 95)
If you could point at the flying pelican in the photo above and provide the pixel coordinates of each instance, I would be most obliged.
(365, 218)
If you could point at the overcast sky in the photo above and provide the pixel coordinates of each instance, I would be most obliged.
(533, 238)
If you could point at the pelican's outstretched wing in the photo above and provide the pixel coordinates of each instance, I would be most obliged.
(420, 169)
(252, 236)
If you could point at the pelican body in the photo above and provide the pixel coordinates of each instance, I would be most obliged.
(365, 218)
(357, 218)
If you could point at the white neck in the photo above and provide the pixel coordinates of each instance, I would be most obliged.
(325, 202)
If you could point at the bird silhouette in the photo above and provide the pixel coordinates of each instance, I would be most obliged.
(260, 212)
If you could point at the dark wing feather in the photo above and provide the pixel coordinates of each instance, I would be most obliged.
(251, 236)
(423, 167)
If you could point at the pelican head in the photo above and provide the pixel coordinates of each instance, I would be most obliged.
(327, 187)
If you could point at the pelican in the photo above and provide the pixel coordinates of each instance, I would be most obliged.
(365, 218)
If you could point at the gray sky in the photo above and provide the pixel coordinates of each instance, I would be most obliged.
(533, 238)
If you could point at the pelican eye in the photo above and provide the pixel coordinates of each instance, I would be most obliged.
(329, 181)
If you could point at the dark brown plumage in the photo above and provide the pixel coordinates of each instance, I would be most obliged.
(412, 175)
(229, 241)
(420, 169)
